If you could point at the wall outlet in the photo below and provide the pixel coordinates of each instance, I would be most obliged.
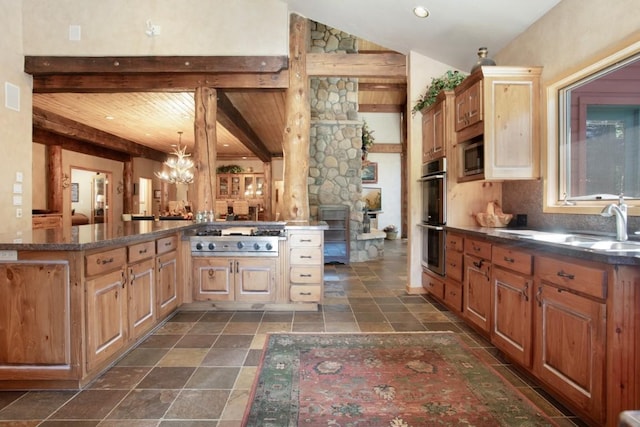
(18, 212)
(8, 255)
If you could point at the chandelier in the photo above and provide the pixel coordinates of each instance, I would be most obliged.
(179, 166)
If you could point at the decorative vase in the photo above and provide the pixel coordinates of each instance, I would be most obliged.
(483, 59)
(392, 235)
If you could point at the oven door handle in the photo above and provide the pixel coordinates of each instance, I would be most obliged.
(432, 177)
(431, 227)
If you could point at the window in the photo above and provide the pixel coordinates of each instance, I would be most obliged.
(593, 150)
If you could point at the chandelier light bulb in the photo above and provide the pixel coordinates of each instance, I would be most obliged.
(179, 166)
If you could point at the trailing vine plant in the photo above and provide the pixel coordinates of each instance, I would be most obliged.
(449, 80)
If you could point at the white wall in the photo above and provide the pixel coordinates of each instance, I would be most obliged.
(386, 127)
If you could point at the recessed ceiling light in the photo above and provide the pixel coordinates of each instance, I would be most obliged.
(420, 11)
(109, 117)
(225, 145)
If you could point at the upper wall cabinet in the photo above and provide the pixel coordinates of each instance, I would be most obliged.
(501, 107)
(437, 126)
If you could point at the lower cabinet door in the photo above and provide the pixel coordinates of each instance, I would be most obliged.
(477, 291)
(142, 302)
(255, 279)
(511, 308)
(570, 347)
(167, 283)
(213, 279)
(106, 316)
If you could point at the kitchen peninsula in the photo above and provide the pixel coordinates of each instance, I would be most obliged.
(75, 299)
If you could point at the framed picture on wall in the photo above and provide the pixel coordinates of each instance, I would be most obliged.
(369, 173)
(75, 188)
(157, 194)
(372, 198)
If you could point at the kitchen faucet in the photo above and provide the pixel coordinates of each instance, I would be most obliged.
(620, 211)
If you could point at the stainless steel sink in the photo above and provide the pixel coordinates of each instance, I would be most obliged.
(594, 243)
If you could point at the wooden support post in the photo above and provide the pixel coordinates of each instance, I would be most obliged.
(297, 122)
(54, 177)
(204, 153)
(127, 180)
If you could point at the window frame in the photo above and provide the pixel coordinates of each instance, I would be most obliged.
(556, 124)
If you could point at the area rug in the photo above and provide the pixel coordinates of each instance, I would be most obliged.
(391, 380)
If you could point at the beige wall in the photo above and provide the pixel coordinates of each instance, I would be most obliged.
(15, 126)
(188, 27)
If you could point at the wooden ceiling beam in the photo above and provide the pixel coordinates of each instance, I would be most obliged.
(379, 65)
(381, 108)
(54, 123)
(385, 148)
(161, 82)
(382, 87)
(234, 122)
(42, 65)
(46, 137)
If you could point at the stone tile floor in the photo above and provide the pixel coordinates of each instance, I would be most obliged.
(197, 369)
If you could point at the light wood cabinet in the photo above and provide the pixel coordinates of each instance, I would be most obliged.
(249, 279)
(39, 337)
(500, 106)
(477, 283)
(167, 276)
(437, 126)
(570, 336)
(240, 186)
(512, 303)
(142, 304)
(454, 270)
(306, 265)
(107, 321)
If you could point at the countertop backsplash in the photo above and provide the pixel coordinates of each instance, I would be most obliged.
(525, 197)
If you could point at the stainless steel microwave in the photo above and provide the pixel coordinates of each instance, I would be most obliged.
(472, 158)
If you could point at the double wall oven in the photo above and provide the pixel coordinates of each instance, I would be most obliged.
(434, 214)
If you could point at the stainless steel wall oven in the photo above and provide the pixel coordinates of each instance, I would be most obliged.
(434, 214)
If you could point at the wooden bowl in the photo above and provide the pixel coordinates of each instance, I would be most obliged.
(493, 220)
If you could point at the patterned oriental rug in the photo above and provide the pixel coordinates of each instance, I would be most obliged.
(390, 380)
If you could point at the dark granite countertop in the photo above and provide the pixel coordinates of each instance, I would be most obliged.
(498, 235)
(92, 236)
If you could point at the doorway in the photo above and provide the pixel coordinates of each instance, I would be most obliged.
(90, 196)
(145, 206)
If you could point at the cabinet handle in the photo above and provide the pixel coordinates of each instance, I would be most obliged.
(142, 251)
(476, 248)
(477, 264)
(211, 273)
(564, 275)
(525, 291)
(237, 266)
(511, 260)
(133, 277)
(124, 279)
(305, 275)
(305, 256)
(104, 261)
(305, 240)
(539, 296)
(167, 244)
(306, 294)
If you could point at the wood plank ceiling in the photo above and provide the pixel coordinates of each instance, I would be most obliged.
(153, 119)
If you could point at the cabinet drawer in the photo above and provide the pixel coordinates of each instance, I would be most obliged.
(306, 256)
(518, 261)
(305, 240)
(453, 296)
(454, 242)
(305, 275)
(477, 248)
(305, 293)
(434, 286)
(586, 279)
(103, 262)
(166, 244)
(141, 251)
(453, 265)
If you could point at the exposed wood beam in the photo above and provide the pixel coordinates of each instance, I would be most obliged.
(40, 65)
(204, 153)
(385, 148)
(382, 65)
(63, 126)
(381, 108)
(45, 137)
(160, 82)
(382, 87)
(232, 120)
